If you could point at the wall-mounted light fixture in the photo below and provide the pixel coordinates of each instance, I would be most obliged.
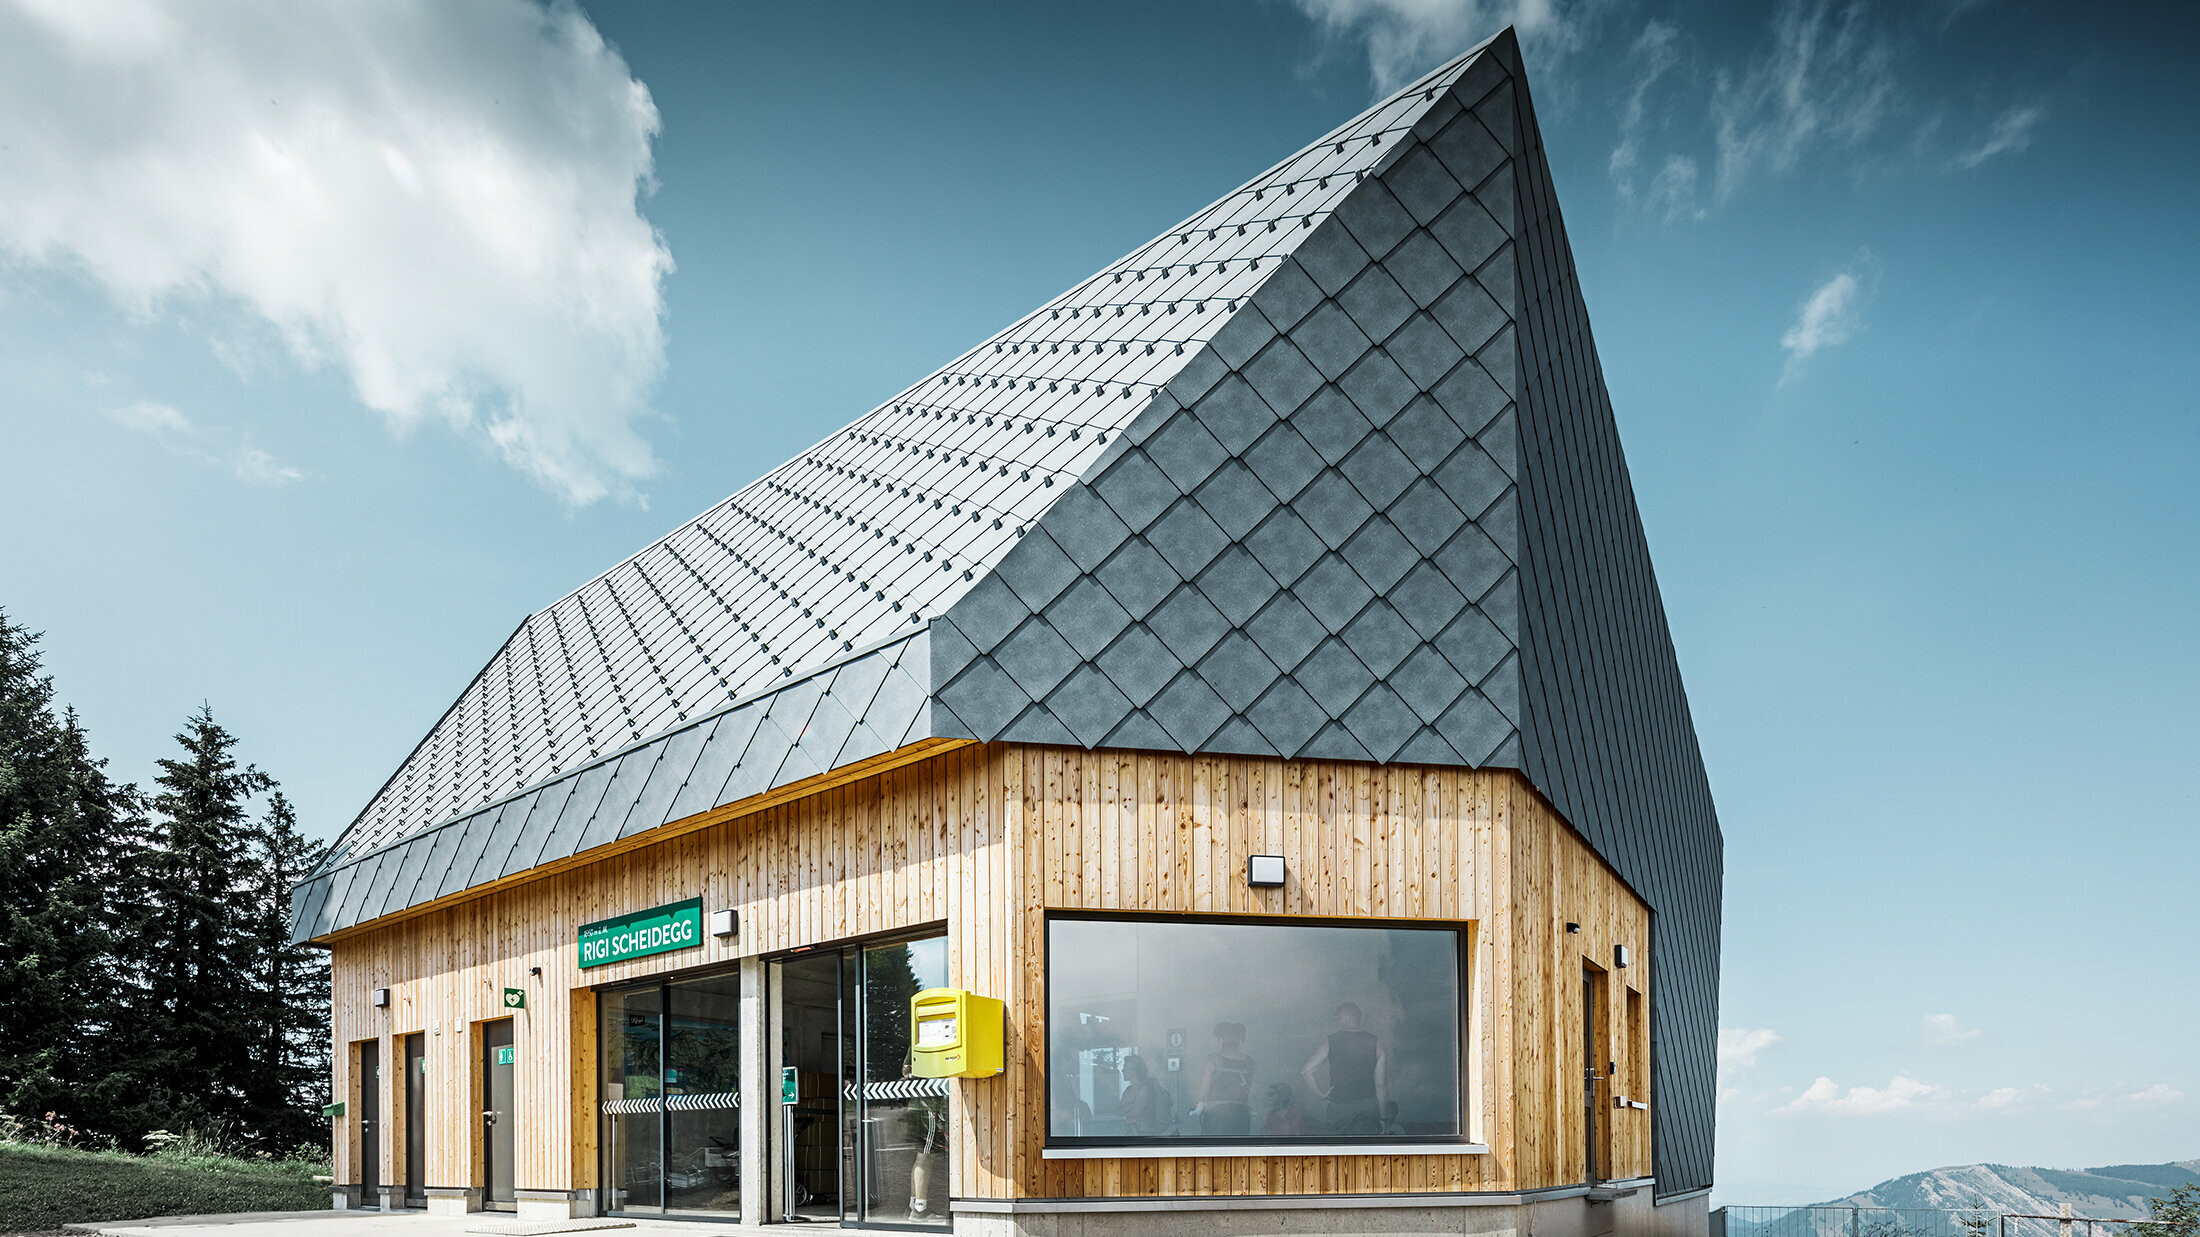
(381, 998)
(1620, 956)
(1264, 871)
(1573, 929)
(724, 923)
(534, 970)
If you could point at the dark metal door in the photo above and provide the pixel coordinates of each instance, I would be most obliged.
(370, 1123)
(497, 1116)
(416, 1120)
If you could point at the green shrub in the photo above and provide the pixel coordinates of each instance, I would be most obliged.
(42, 1188)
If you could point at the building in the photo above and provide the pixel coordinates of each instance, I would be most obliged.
(1247, 668)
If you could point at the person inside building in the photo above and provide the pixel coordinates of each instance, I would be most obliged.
(1141, 1107)
(1226, 1089)
(1357, 1064)
(1284, 1118)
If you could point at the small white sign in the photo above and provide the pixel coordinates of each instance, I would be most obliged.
(935, 1032)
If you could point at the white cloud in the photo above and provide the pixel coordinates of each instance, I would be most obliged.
(2155, 1096)
(1901, 1094)
(221, 449)
(1657, 52)
(1828, 80)
(440, 200)
(1405, 38)
(1944, 1029)
(1739, 1048)
(1673, 189)
(2011, 133)
(1827, 317)
(147, 417)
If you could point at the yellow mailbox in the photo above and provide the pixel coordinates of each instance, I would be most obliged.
(958, 1035)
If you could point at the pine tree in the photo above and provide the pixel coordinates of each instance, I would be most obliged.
(200, 940)
(291, 996)
(65, 838)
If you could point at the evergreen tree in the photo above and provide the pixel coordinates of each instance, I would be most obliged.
(290, 1068)
(201, 938)
(65, 839)
(147, 978)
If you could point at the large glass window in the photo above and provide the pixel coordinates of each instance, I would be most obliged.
(1206, 1030)
(671, 1096)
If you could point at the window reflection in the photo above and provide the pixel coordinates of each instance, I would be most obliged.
(1177, 1029)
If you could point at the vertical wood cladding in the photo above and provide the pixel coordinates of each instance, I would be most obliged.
(983, 840)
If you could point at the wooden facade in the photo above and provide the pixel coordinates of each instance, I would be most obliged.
(983, 840)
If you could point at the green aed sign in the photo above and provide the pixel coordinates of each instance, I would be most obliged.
(654, 931)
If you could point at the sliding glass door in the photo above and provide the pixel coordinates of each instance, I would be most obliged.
(861, 1140)
(671, 1097)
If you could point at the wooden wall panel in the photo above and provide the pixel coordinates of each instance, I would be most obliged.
(986, 840)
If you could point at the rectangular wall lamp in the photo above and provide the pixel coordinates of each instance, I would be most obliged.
(1264, 871)
(724, 923)
(1620, 956)
(381, 998)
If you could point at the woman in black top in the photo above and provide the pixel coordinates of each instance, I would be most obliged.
(1226, 1091)
(1357, 1089)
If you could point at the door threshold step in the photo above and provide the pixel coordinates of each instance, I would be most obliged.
(535, 1227)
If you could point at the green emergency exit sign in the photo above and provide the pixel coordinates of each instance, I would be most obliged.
(333, 1110)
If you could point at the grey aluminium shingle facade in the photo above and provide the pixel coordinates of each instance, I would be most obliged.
(1327, 470)
(1385, 517)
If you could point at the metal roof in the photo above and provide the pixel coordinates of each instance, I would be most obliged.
(878, 528)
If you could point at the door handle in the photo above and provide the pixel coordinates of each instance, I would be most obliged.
(491, 1116)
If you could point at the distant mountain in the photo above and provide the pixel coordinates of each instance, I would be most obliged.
(1947, 1202)
(2115, 1191)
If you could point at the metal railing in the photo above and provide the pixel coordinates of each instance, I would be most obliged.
(1852, 1222)
(1910, 1222)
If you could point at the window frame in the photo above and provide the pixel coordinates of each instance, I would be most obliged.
(1146, 1146)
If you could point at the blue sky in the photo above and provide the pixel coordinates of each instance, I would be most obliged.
(333, 345)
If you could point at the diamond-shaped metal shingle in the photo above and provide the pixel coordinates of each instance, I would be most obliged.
(1378, 387)
(1137, 577)
(1423, 270)
(1376, 305)
(1088, 617)
(1184, 449)
(1284, 461)
(1139, 665)
(1187, 538)
(1235, 500)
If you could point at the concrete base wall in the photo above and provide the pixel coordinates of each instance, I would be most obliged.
(1632, 1216)
(552, 1205)
(445, 1201)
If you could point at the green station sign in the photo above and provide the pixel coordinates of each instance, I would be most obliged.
(637, 935)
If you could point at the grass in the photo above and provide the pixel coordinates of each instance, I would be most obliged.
(43, 1188)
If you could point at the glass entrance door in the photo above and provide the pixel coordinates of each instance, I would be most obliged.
(862, 1141)
(671, 1085)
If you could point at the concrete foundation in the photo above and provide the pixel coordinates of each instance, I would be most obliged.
(553, 1205)
(453, 1200)
(1563, 1213)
